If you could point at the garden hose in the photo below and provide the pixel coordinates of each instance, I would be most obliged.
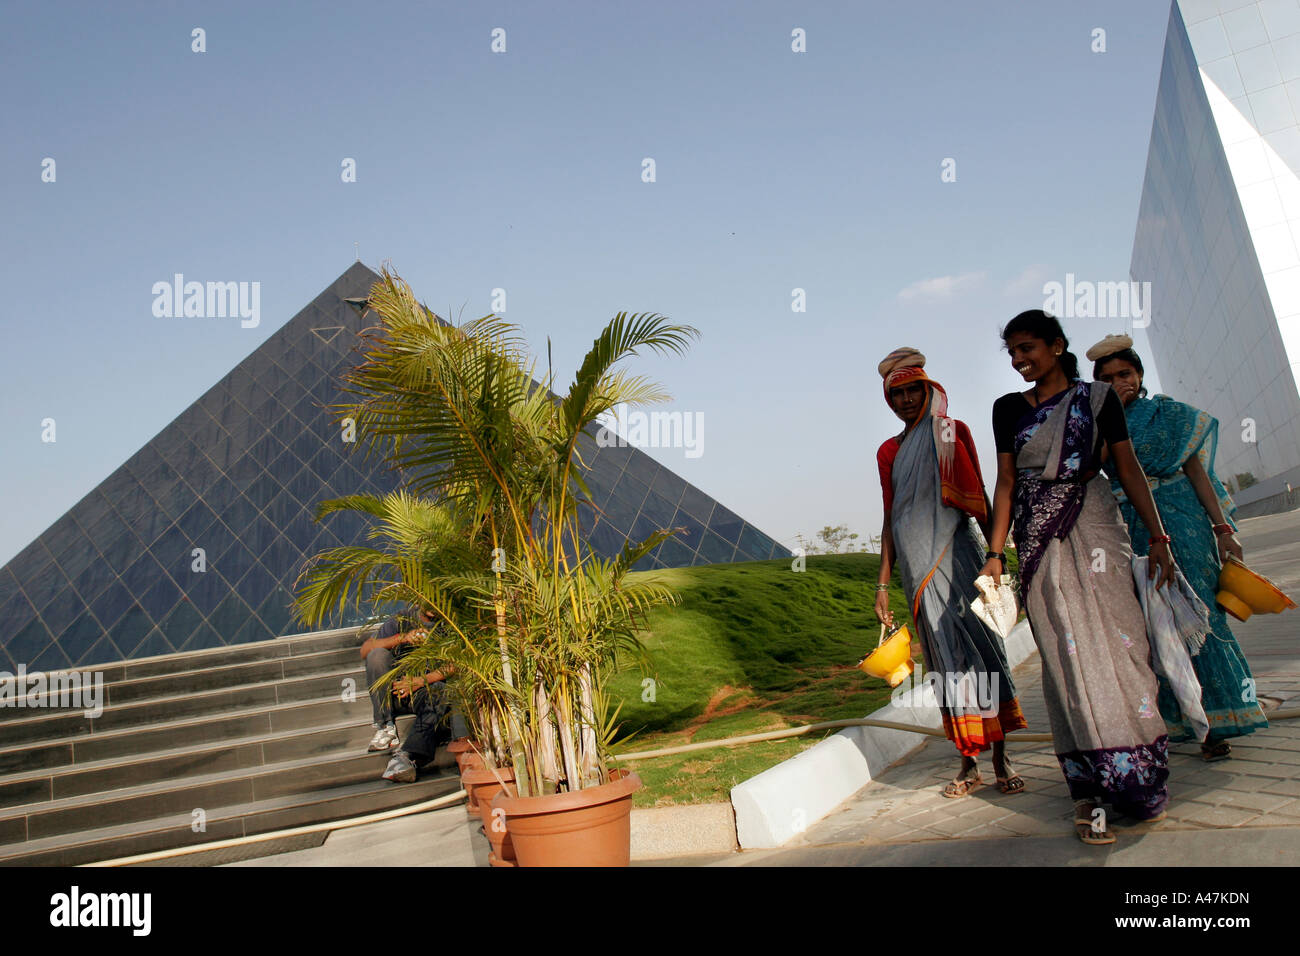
(1016, 735)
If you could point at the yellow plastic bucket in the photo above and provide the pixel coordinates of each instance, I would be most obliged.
(891, 661)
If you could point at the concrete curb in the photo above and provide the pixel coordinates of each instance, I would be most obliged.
(663, 832)
(783, 801)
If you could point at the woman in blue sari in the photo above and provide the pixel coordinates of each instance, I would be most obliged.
(1175, 443)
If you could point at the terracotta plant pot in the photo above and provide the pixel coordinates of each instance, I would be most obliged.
(459, 746)
(482, 785)
(469, 761)
(503, 850)
(591, 827)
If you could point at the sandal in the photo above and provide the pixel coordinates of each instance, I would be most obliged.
(1211, 752)
(962, 787)
(1084, 829)
(1013, 784)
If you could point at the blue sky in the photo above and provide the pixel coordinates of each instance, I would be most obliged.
(522, 170)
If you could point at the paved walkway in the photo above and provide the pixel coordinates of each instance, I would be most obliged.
(1245, 810)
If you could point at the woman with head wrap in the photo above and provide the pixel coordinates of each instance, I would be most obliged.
(1175, 444)
(932, 487)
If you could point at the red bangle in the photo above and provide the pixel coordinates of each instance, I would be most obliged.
(1222, 529)
(1160, 539)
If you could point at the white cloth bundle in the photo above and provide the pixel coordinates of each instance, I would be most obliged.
(1177, 624)
(996, 604)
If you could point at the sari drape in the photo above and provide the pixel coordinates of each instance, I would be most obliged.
(938, 558)
(1166, 433)
(1083, 610)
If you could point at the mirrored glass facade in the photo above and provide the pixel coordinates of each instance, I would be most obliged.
(1218, 232)
(239, 474)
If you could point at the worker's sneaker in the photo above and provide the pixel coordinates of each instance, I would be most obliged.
(385, 738)
(400, 769)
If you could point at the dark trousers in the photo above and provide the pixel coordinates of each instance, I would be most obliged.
(429, 704)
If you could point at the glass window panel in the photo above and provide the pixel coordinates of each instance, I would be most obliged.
(252, 630)
(174, 499)
(238, 514)
(714, 550)
(50, 659)
(196, 521)
(141, 574)
(606, 540)
(229, 617)
(154, 645)
(301, 530)
(130, 630)
(17, 612)
(725, 523)
(755, 542)
(262, 489)
(90, 582)
(235, 561)
(180, 623)
(256, 585)
(28, 642)
(111, 604)
(61, 610)
(669, 485)
(282, 559)
(121, 551)
(133, 504)
(203, 638)
(286, 466)
(205, 590)
(160, 597)
(697, 503)
(674, 554)
(305, 486)
(79, 637)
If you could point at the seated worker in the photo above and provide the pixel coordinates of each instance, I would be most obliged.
(425, 696)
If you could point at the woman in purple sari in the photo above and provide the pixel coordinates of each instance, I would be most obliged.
(1076, 575)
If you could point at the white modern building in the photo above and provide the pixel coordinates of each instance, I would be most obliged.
(1218, 235)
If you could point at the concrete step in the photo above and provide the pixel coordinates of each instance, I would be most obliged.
(209, 791)
(259, 737)
(159, 710)
(206, 728)
(293, 645)
(168, 831)
(259, 750)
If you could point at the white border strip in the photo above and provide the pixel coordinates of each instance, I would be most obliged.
(783, 801)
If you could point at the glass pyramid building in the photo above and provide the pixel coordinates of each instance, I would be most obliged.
(1218, 234)
(238, 474)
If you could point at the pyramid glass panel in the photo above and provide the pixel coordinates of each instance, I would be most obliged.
(198, 539)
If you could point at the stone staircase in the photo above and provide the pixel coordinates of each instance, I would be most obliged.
(258, 737)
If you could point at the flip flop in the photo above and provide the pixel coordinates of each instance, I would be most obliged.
(962, 787)
(1090, 836)
(1213, 752)
(1012, 784)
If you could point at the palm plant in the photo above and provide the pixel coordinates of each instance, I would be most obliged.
(532, 620)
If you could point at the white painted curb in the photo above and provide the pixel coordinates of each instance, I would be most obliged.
(783, 801)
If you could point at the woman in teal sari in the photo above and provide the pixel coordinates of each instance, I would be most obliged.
(1175, 444)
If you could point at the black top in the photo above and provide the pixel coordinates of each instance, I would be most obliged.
(1011, 408)
(398, 624)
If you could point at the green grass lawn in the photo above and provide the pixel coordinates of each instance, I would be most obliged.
(751, 647)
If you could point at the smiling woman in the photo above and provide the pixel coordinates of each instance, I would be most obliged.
(1084, 614)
